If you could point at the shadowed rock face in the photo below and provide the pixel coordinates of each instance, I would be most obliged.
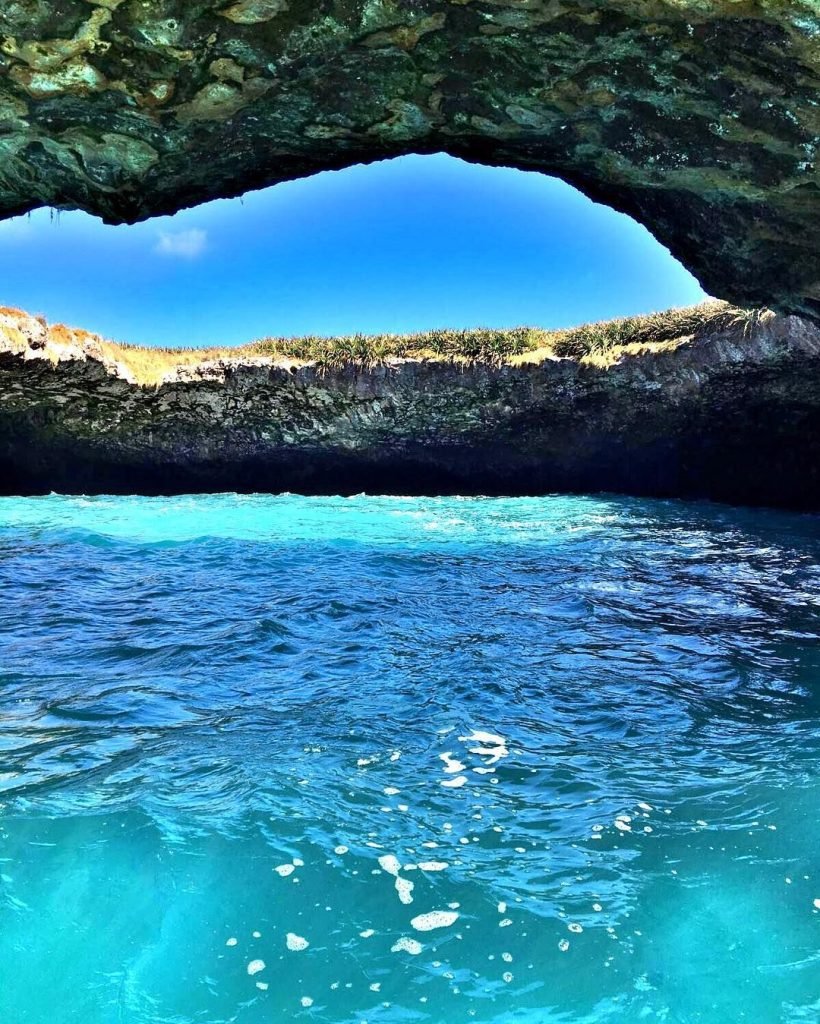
(698, 117)
(733, 416)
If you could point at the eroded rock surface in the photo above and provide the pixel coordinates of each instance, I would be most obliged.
(733, 415)
(699, 117)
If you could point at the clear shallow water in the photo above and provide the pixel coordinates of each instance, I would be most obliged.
(588, 727)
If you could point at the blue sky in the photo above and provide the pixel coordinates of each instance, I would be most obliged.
(396, 246)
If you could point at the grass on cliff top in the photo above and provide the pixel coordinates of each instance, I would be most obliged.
(598, 343)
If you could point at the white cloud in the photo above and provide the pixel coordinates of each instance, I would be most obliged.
(186, 245)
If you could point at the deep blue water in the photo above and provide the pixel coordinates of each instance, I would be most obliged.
(249, 744)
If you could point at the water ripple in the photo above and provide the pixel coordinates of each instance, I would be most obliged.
(587, 727)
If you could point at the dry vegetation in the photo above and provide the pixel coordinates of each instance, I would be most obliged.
(599, 343)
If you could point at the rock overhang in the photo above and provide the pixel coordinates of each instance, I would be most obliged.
(701, 118)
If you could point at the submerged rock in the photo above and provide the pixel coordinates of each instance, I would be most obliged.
(698, 117)
(731, 414)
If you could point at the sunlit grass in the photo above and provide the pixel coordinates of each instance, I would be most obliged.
(599, 344)
(600, 339)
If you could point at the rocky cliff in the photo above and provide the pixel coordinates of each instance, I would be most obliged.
(700, 118)
(730, 414)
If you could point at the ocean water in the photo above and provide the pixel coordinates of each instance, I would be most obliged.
(382, 760)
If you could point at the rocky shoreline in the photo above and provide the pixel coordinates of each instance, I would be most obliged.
(732, 416)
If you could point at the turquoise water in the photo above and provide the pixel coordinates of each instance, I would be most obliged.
(252, 749)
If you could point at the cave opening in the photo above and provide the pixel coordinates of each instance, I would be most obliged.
(398, 246)
(402, 327)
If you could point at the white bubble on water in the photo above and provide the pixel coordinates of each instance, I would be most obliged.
(231, 941)
(367, 933)
(502, 908)
(404, 945)
(263, 986)
(817, 904)
(296, 943)
(404, 887)
(455, 783)
(255, 966)
(434, 919)
(390, 863)
(341, 850)
(434, 865)
(284, 870)
(391, 791)
(563, 945)
(576, 928)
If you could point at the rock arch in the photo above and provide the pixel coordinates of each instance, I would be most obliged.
(700, 118)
